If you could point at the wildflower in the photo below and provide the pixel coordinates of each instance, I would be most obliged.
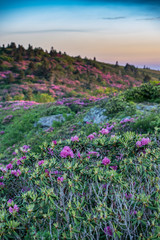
(41, 162)
(2, 184)
(91, 137)
(54, 142)
(9, 166)
(128, 196)
(143, 142)
(79, 155)
(2, 132)
(114, 167)
(66, 152)
(19, 162)
(14, 153)
(1, 177)
(10, 201)
(104, 131)
(106, 161)
(14, 209)
(108, 231)
(75, 139)
(16, 172)
(60, 179)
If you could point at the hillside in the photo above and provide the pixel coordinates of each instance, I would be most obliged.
(41, 76)
(76, 161)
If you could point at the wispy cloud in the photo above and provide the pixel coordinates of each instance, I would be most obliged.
(48, 31)
(149, 19)
(114, 18)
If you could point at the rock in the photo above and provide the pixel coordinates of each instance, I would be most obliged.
(95, 115)
(146, 108)
(46, 122)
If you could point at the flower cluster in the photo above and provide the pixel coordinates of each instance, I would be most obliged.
(106, 161)
(75, 139)
(66, 152)
(143, 142)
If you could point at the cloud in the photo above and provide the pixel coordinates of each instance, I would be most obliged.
(149, 19)
(49, 30)
(114, 18)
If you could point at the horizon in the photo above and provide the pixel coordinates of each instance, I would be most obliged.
(123, 31)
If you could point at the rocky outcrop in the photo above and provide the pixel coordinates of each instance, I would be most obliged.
(47, 122)
(95, 115)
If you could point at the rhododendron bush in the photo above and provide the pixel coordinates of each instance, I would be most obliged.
(99, 186)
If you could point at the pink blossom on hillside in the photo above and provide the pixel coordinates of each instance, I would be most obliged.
(143, 142)
(9, 166)
(14, 209)
(41, 162)
(104, 131)
(91, 137)
(106, 161)
(75, 139)
(60, 179)
(66, 152)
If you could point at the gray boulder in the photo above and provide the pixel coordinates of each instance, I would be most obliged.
(46, 122)
(95, 115)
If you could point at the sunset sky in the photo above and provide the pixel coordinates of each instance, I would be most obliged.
(124, 31)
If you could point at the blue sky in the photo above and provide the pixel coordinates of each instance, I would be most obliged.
(127, 31)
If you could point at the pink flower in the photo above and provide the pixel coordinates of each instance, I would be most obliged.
(41, 162)
(66, 152)
(108, 231)
(9, 166)
(60, 179)
(1, 177)
(138, 143)
(10, 201)
(54, 142)
(16, 172)
(2, 184)
(143, 142)
(19, 162)
(75, 139)
(104, 131)
(106, 161)
(14, 209)
(114, 167)
(79, 155)
(91, 137)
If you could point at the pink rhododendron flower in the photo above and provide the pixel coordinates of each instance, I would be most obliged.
(19, 162)
(2, 184)
(143, 142)
(66, 152)
(41, 162)
(114, 167)
(54, 142)
(79, 155)
(75, 139)
(16, 172)
(13, 209)
(108, 231)
(104, 131)
(10, 201)
(60, 179)
(9, 166)
(91, 137)
(106, 161)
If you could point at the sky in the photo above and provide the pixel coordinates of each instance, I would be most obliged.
(124, 31)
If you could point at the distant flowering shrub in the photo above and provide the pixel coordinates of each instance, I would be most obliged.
(66, 152)
(7, 119)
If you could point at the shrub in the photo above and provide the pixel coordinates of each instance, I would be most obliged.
(145, 92)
